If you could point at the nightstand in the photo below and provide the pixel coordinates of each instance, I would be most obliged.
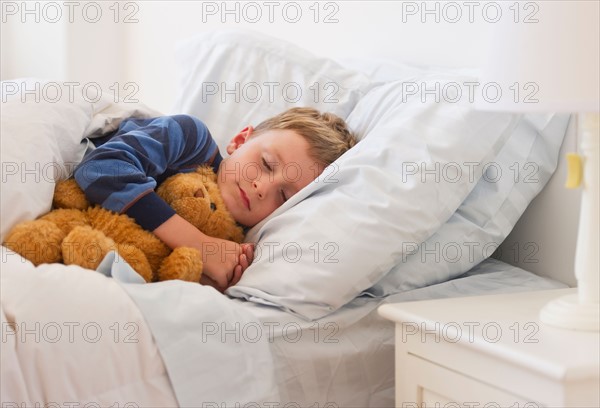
(492, 350)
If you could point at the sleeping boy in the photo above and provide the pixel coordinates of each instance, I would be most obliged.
(125, 167)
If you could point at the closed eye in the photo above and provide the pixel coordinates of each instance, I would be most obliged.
(266, 164)
(269, 168)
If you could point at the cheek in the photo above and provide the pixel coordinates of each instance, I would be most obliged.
(226, 188)
(269, 207)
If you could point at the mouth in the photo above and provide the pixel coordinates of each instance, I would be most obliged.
(244, 198)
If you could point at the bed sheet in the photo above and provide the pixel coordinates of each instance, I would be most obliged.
(196, 347)
(354, 366)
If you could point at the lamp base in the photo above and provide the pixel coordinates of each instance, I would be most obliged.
(566, 312)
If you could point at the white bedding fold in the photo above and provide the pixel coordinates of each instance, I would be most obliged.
(70, 334)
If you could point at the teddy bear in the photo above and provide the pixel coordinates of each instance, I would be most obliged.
(75, 232)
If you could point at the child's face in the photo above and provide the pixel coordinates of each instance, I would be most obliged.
(263, 171)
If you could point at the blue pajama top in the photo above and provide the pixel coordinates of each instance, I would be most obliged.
(126, 166)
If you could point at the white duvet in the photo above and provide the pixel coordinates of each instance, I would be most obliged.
(73, 335)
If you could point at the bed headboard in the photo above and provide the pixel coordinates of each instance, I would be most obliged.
(543, 241)
(142, 36)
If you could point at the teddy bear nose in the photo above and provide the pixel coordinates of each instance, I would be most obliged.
(199, 193)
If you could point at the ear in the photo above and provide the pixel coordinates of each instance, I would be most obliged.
(239, 139)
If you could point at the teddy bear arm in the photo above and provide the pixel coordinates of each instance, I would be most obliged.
(66, 219)
(183, 263)
(38, 241)
(137, 260)
(124, 231)
(86, 247)
(68, 194)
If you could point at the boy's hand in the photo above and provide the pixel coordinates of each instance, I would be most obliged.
(225, 262)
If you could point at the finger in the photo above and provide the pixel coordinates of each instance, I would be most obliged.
(249, 252)
(237, 275)
(243, 262)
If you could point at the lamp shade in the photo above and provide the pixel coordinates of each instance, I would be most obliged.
(545, 58)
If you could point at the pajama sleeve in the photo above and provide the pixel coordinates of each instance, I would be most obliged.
(122, 172)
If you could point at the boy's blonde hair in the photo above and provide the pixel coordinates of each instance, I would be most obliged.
(327, 134)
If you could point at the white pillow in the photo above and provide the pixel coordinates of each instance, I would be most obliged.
(43, 139)
(234, 78)
(486, 217)
(345, 236)
(41, 142)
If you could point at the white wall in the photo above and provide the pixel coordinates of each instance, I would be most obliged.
(161, 25)
(142, 50)
(49, 40)
(32, 48)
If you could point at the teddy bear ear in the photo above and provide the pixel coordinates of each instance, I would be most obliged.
(207, 172)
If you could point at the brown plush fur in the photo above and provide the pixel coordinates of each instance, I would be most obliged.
(77, 233)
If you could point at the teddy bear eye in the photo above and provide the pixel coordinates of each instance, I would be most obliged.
(213, 206)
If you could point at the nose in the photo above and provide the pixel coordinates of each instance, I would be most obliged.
(258, 188)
